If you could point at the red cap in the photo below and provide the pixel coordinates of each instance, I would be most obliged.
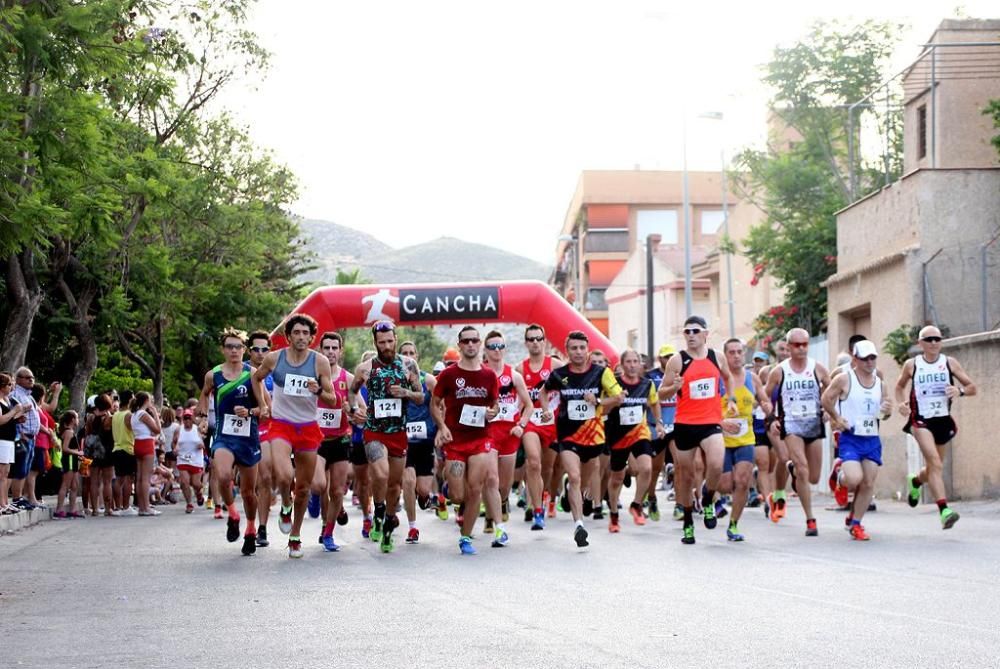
(187, 414)
(451, 355)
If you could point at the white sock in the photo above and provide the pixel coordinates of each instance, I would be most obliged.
(413, 524)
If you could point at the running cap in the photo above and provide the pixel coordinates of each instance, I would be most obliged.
(865, 348)
(696, 320)
(451, 355)
(438, 367)
(760, 355)
(187, 414)
(666, 350)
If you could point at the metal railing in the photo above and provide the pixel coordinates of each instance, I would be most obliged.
(953, 277)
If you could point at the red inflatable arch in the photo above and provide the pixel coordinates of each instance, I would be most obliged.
(360, 305)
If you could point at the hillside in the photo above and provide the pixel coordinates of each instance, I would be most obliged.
(441, 260)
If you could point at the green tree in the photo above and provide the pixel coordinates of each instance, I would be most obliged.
(993, 110)
(801, 188)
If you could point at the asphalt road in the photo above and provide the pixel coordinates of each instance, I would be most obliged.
(171, 592)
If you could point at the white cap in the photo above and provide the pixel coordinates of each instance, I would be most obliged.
(865, 348)
(90, 401)
(438, 367)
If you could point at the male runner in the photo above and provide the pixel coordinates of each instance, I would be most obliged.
(539, 435)
(663, 447)
(236, 440)
(738, 434)
(629, 435)
(333, 455)
(801, 381)
(260, 345)
(418, 478)
(931, 377)
(585, 391)
(855, 401)
(392, 381)
(465, 399)
(845, 363)
(300, 377)
(774, 509)
(762, 445)
(507, 429)
(698, 421)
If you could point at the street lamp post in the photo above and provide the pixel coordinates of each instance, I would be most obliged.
(688, 308)
(717, 116)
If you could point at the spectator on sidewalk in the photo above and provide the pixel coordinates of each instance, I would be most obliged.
(71, 454)
(10, 413)
(24, 380)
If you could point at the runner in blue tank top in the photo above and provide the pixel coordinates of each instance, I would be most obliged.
(236, 441)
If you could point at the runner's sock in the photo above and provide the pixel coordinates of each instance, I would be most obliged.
(779, 494)
(707, 497)
(413, 524)
(328, 528)
(688, 515)
(233, 513)
(380, 511)
(538, 510)
(942, 504)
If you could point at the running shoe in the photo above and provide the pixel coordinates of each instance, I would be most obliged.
(912, 492)
(563, 504)
(552, 508)
(599, 512)
(151, 512)
(218, 514)
(858, 533)
(834, 475)
(249, 545)
(423, 501)
(209, 504)
(529, 515)
(329, 545)
(76, 514)
(654, 511)
(753, 498)
(342, 517)
(232, 529)
(500, 539)
(262, 541)
(580, 536)
(767, 510)
(201, 499)
(720, 509)
(482, 509)
(948, 518)
(189, 508)
(841, 494)
(366, 528)
(442, 508)
(488, 526)
(466, 547)
(413, 536)
(613, 526)
(313, 507)
(811, 530)
(505, 510)
(708, 514)
(733, 533)
(627, 482)
(294, 548)
(387, 543)
(635, 510)
(678, 512)
(847, 522)
(60, 515)
(688, 537)
(285, 520)
(375, 534)
(588, 506)
(539, 523)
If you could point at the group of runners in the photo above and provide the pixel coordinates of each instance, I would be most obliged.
(294, 420)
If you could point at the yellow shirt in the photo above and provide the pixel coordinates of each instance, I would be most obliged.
(744, 413)
(124, 438)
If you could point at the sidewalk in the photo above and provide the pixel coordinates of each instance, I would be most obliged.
(18, 521)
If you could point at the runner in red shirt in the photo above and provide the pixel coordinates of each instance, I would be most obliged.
(465, 399)
(539, 437)
(698, 421)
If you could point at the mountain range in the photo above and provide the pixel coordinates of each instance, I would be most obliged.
(338, 247)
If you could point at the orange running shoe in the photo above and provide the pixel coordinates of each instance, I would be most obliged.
(636, 512)
(858, 533)
(613, 526)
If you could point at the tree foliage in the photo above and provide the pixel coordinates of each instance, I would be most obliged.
(993, 110)
(135, 220)
(800, 183)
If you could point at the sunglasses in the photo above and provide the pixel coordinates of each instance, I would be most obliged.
(469, 340)
(870, 358)
(384, 326)
(931, 340)
(496, 346)
(233, 347)
(534, 339)
(260, 349)
(692, 331)
(799, 344)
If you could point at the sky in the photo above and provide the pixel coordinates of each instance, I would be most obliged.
(416, 120)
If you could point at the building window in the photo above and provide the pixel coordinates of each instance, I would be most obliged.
(595, 300)
(711, 221)
(599, 241)
(662, 222)
(922, 131)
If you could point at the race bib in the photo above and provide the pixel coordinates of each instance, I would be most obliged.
(630, 415)
(389, 407)
(580, 410)
(235, 426)
(507, 413)
(416, 431)
(297, 385)
(802, 409)
(702, 389)
(866, 427)
(473, 416)
(932, 407)
(186, 458)
(328, 419)
(536, 418)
